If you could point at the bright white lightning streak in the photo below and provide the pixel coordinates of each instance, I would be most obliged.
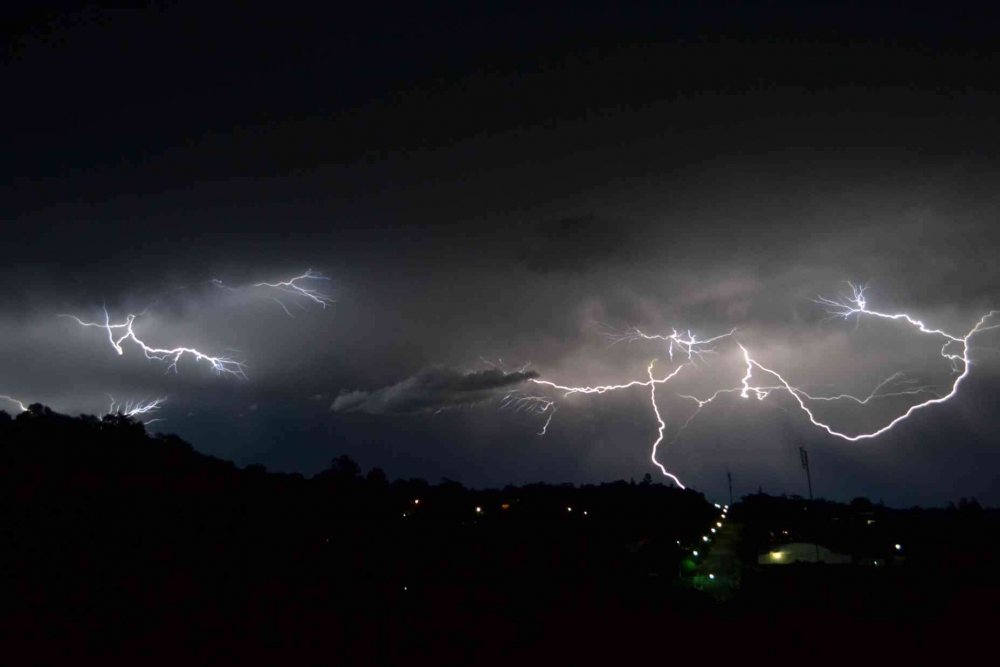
(290, 287)
(688, 345)
(856, 305)
(222, 365)
(659, 420)
(133, 408)
(532, 404)
(685, 344)
(15, 402)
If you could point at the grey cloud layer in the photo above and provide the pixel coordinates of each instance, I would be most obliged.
(431, 389)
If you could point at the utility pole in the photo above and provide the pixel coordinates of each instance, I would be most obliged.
(730, 476)
(805, 464)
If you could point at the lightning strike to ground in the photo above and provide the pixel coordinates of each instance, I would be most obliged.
(16, 402)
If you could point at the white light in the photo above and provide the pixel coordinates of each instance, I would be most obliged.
(416, 501)
(695, 553)
(711, 576)
(717, 506)
(705, 538)
(478, 510)
(569, 509)
(776, 555)
(898, 547)
(585, 513)
(719, 524)
(406, 588)
(713, 530)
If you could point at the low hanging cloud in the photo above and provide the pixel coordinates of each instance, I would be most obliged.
(431, 389)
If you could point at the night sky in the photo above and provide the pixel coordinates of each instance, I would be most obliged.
(487, 189)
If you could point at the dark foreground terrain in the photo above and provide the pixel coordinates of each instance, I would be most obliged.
(125, 548)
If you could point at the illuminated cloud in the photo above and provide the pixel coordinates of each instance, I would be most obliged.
(431, 389)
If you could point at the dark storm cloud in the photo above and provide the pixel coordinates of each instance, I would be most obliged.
(572, 244)
(431, 389)
(503, 211)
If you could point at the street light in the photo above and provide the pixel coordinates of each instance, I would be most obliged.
(898, 547)
(695, 553)
(704, 538)
(711, 576)
(719, 524)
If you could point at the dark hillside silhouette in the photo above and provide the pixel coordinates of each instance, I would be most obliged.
(107, 527)
(134, 547)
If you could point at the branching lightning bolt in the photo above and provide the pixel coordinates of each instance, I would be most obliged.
(290, 287)
(856, 305)
(134, 408)
(689, 346)
(119, 333)
(844, 307)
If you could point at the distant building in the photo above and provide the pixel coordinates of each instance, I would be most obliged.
(802, 552)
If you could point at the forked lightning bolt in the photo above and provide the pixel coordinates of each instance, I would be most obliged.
(954, 348)
(124, 331)
(120, 333)
(856, 305)
(133, 408)
(291, 287)
(690, 346)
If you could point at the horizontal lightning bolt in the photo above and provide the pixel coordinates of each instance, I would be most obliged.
(119, 333)
(844, 307)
